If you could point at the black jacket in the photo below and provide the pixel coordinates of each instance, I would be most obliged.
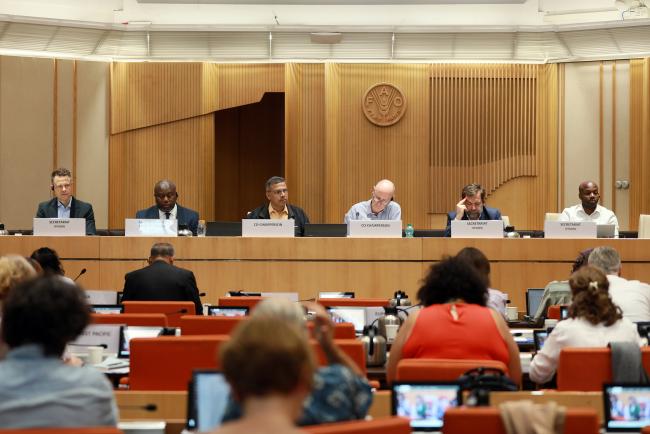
(78, 209)
(299, 216)
(487, 214)
(161, 281)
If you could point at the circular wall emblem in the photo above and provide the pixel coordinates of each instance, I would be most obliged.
(384, 104)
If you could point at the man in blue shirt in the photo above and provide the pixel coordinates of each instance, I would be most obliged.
(381, 205)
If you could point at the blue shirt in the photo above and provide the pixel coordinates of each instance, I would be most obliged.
(363, 211)
(62, 210)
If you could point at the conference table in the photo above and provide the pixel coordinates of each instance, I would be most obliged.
(371, 267)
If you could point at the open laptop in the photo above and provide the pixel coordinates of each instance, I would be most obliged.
(424, 403)
(128, 333)
(223, 229)
(325, 230)
(354, 315)
(207, 399)
(605, 231)
(627, 407)
(540, 336)
(107, 308)
(227, 310)
(533, 299)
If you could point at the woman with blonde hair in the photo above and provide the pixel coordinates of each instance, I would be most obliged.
(594, 321)
(13, 270)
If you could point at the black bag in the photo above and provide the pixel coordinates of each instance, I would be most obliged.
(481, 381)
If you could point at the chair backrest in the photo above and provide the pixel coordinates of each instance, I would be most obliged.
(130, 319)
(249, 301)
(167, 362)
(173, 310)
(352, 347)
(342, 330)
(83, 430)
(506, 221)
(441, 369)
(552, 216)
(553, 312)
(644, 226)
(487, 420)
(383, 425)
(209, 325)
(645, 430)
(356, 302)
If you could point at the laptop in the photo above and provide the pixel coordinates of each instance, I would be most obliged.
(128, 333)
(354, 315)
(207, 400)
(334, 294)
(223, 229)
(533, 299)
(227, 310)
(424, 403)
(540, 336)
(605, 231)
(325, 230)
(107, 308)
(564, 312)
(643, 327)
(627, 407)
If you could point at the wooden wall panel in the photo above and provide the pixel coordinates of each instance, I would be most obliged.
(182, 151)
(639, 139)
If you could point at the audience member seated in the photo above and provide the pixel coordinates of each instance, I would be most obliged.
(161, 280)
(455, 322)
(39, 317)
(166, 207)
(594, 321)
(632, 296)
(13, 270)
(49, 261)
(497, 300)
(270, 368)
(559, 291)
(340, 392)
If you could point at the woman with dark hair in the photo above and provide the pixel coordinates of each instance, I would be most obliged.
(49, 261)
(496, 299)
(594, 321)
(455, 322)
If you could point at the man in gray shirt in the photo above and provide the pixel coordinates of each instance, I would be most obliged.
(380, 206)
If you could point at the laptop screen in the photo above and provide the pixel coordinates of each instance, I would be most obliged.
(533, 299)
(355, 315)
(128, 333)
(540, 338)
(627, 407)
(207, 399)
(424, 403)
(107, 308)
(227, 311)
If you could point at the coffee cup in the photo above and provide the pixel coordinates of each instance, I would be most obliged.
(95, 355)
(512, 314)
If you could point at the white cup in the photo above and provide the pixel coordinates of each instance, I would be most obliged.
(95, 355)
(550, 323)
(391, 332)
(512, 313)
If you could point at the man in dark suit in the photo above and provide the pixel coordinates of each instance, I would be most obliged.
(161, 280)
(64, 204)
(472, 207)
(278, 207)
(166, 207)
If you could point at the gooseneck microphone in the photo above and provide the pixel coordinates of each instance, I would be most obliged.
(81, 273)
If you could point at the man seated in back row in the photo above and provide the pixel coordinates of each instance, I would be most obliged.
(589, 210)
(278, 207)
(166, 207)
(472, 207)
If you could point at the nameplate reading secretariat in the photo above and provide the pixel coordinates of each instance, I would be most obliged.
(268, 228)
(570, 229)
(477, 229)
(150, 228)
(375, 229)
(56, 227)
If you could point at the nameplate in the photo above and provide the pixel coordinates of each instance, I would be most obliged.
(150, 227)
(375, 229)
(477, 229)
(291, 296)
(101, 297)
(268, 228)
(107, 335)
(56, 227)
(569, 229)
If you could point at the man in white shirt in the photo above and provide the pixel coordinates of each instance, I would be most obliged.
(589, 210)
(632, 296)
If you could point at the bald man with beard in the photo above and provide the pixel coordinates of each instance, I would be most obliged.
(589, 210)
(381, 205)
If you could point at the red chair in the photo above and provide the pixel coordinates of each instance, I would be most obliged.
(352, 347)
(383, 425)
(167, 362)
(487, 420)
(173, 310)
(249, 301)
(342, 330)
(130, 319)
(440, 369)
(209, 325)
(356, 302)
(84, 430)
(645, 430)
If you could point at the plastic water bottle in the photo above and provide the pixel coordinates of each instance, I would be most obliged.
(200, 229)
(408, 232)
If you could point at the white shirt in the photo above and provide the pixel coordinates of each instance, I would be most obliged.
(172, 214)
(601, 216)
(577, 332)
(632, 296)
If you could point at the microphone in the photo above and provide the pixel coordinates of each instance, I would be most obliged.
(357, 218)
(202, 294)
(145, 407)
(81, 273)
(105, 346)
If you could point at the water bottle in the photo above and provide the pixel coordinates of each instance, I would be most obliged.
(3, 231)
(408, 232)
(200, 229)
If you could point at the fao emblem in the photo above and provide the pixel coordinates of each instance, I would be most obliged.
(384, 104)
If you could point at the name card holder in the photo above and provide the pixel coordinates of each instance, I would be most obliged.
(150, 228)
(56, 227)
(569, 229)
(106, 335)
(268, 228)
(477, 229)
(375, 229)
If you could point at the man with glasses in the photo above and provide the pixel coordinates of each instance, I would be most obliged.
(381, 205)
(64, 204)
(278, 207)
(472, 207)
(166, 207)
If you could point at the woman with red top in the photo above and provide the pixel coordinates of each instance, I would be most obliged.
(455, 322)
